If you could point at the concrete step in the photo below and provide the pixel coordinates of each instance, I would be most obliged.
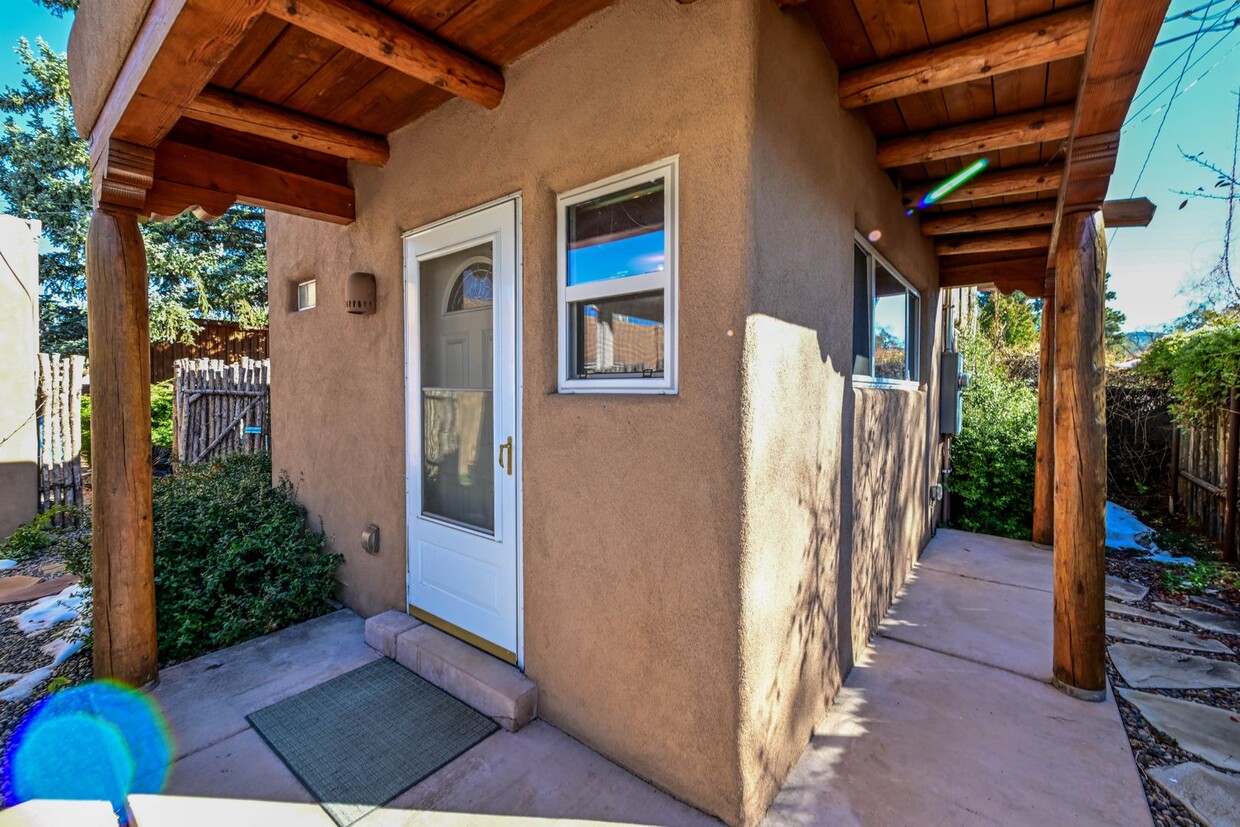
(496, 689)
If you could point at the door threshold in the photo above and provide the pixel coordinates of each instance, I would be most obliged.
(442, 625)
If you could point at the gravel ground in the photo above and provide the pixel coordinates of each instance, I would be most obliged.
(1150, 747)
(20, 652)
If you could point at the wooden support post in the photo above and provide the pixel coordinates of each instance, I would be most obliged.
(120, 375)
(1229, 480)
(1173, 498)
(1044, 470)
(1080, 458)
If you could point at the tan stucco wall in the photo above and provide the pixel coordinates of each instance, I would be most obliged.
(695, 590)
(632, 503)
(835, 478)
(19, 372)
(102, 34)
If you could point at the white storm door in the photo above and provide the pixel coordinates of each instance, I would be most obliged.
(460, 355)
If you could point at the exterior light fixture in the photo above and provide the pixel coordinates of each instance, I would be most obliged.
(359, 294)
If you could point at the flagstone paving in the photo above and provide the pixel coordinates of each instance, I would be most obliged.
(1135, 611)
(1212, 621)
(1120, 589)
(1144, 667)
(1164, 637)
(1205, 731)
(1210, 795)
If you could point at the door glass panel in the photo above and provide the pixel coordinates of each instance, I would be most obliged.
(458, 407)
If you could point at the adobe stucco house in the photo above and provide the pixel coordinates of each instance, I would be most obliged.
(648, 402)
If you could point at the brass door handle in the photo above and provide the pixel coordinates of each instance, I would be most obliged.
(505, 448)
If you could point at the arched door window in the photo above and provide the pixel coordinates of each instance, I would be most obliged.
(473, 287)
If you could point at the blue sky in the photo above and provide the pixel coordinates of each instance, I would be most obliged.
(1149, 266)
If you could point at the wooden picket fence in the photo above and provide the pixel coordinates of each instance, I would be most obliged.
(1203, 477)
(59, 406)
(220, 409)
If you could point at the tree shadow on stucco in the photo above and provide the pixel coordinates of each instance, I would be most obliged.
(851, 569)
(808, 670)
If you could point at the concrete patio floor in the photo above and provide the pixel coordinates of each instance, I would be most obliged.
(947, 719)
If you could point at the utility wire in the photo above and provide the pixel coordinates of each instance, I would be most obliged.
(1166, 112)
(1133, 117)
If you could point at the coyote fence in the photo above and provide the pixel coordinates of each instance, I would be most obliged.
(59, 406)
(215, 339)
(220, 409)
(1203, 476)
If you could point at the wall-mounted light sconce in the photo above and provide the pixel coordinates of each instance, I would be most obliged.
(370, 539)
(359, 294)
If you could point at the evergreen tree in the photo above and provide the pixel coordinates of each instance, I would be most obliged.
(196, 269)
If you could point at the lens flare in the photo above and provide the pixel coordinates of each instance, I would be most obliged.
(953, 183)
(99, 741)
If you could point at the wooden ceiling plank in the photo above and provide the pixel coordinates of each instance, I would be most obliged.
(292, 60)
(1031, 43)
(256, 43)
(253, 183)
(994, 184)
(386, 39)
(1035, 214)
(1128, 212)
(180, 46)
(1052, 123)
(992, 242)
(234, 111)
(340, 79)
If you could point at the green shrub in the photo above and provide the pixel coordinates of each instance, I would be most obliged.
(993, 456)
(233, 557)
(1201, 367)
(36, 535)
(162, 398)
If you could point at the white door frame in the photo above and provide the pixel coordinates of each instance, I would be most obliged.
(409, 299)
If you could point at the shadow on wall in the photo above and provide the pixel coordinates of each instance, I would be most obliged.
(19, 495)
(809, 659)
(887, 471)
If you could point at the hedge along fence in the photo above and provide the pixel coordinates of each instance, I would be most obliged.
(220, 409)
(59, 406)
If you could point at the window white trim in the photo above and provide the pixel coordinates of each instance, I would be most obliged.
(668, 281)
(912, 343)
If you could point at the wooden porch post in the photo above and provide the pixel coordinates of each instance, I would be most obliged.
(1044, 469)
(1080, 458)
(120, 378)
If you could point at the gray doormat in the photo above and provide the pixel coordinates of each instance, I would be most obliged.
(359, 740)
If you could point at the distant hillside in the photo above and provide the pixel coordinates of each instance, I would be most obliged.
(1138, 341)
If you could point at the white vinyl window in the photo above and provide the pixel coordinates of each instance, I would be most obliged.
(306, 295)
(617, 275)
(886, 321)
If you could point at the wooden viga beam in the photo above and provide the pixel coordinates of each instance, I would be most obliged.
(248, 115)
(990, 219)
(1003, 242)
(1128, 212)
(997, 184)
(1033, 42)
(384, 38)
(1022, 270)
(977, 138)
(208, 179)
